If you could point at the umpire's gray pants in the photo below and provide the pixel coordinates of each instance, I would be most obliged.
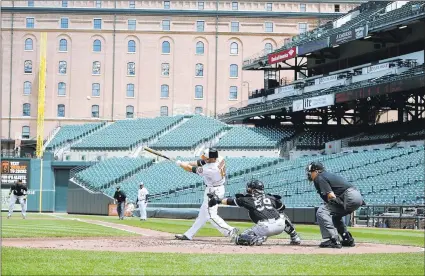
(121, 209)
(330, 216)
(267, 228)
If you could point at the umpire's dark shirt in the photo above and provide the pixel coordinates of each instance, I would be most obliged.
(18, 189)
(120, 196)
(326, 182)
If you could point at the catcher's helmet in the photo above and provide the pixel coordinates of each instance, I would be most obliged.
(254, 185)
(312, 167)
(210, 153)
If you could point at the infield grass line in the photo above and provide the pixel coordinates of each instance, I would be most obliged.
(72, 262)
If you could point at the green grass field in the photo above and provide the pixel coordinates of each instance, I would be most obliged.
(17, 261)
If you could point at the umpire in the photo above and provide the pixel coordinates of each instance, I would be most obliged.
(121, 199)
(341, 199)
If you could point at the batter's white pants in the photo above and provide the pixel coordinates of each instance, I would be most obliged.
(142, 209)
(206, 213)
(22, 201)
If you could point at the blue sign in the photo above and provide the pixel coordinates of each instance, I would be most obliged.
(312, 46)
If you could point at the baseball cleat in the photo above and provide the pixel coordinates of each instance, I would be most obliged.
(182, 237)
(331, 243)
(295, 240)
(234, 234)
(347, 240)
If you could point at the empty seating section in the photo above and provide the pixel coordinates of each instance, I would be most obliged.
(110, 171)
(315, 139)
(125, 134)
(190, 134)
(409, 9)
(165, 177)
(242, 137)
(70, 133)
(375, 173)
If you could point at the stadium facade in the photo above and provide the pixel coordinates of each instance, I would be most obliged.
(111, 60)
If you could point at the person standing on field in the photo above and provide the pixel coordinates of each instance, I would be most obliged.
(121, 200)
(18, 191)
(142, 201)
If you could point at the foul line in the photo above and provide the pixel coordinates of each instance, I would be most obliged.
(100, 223)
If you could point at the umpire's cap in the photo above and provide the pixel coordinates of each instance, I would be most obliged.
(211, 153)
(256, 185)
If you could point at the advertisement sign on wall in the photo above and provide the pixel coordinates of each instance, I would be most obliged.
(325, 79)
(353, 34)
(12, 170)
(312, 46)
(282, 55)
(315, 102)
(377, 68)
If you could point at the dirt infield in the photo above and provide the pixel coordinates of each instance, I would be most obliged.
(154, 241)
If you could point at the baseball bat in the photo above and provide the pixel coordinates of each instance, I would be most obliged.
(157, 153)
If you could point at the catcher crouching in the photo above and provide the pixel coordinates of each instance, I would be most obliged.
(265, 210)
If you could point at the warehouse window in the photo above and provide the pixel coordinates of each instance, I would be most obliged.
(165, 91)
(233, 93)
(132, 24)
(200, 26)
(129, 111)
(63, 45)
(234, 26)
(234, 48)
(199, 92)
(199, 48)
(166, 47)
(268, 48)
(28, 44)
(233, 70)
(131, 46)
(165, 25)
(64, 23)
(61, 89)
(97, 24)
(95, 89)
(26, 109)
(30, 22)
(130, 90)
(61, 110)
(95, 111)
(199, 70)
(198, 110)
(131, 69)
(164, 111)
(27, 88)
(268, 27)
(235, 6)
(167, 5)
(97, 45)
(25, 132)
(62, 67)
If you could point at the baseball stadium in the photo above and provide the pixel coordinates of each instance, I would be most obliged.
(251, 137)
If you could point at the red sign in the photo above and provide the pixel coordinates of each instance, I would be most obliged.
(281, 56)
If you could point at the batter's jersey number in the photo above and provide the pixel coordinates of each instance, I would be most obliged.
(263, 203)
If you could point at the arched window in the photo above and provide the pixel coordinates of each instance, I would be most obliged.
(129, 111)
(233, 70)
(95, 111)
(200, 48)
(199, 92)
(61, 89)
(62, 67)
(28, 44)
(28, 67)
(165, 91)
(199, 70)
(164, 111)
(198, 110)
(233, 93)
(130, 90)
(25, 132)
(26, 109)
(268, 48)
(95, 89)
(234, 48)
(61, 110)
(166, 47)
(96, 68)
(63, 45)
(97, 46)
(131, 46)
(131, 69)
(27, 88)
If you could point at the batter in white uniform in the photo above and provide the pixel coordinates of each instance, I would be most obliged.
(213, 169)
(142, 201)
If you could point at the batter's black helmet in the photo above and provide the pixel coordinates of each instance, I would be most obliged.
(312, 167)
(211, 153)
(256, 185)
